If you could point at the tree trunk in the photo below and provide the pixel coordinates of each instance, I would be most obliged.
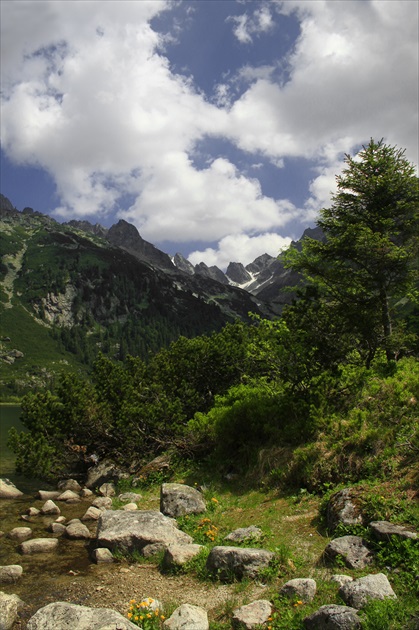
(386, 322)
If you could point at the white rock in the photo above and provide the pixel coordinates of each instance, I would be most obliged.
(10, 606)
(8, 490)
(20, 533)
(39, 545)
(49, 507)
(10, 573)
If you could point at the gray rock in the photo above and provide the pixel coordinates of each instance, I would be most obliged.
(47, 495)
(65, 616)
(85, 493)
(178, 555)
(102, 473)
(33, 511)
(300, 588)
(8, 490)
(131, 497)
(177, 499)
(92, 514)
(76, 530)
(39, 545)
(129, 507)
(127, 531)
(10, 605)
(254, 614)
(153, 549)
(107, 490)
(343, 507)
(351, 549)
(382, 530)
(358, 592)
(341, 579)
(244, 534)
(102, 555)
(103, 503)
(49, 507)
(10, 573)
(333, 617)
(238, 562)
(69, 484)
(69, 495)
(57, 528)
(20, 533)
(187, 617)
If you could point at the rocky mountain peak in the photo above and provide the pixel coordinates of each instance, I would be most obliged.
(183, 264)
(126, 236)
(237, 273)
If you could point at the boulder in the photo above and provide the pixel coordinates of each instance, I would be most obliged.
(85, 493)
(252, 615)
(39, 545)
(187, 617)
(343, 507)
(107, 490)
(10, 573)
(92, 514)
(128, 531)
(47, 495)
(178, 555)
(102, 555)
(177, 499)
(238, 562)
(382, 530)
(69, 496)
(130, 507)
(10, 605)
(341, 579)
(299, 588)
(358, 592)
(49, 507)
(33, 511)
(76, 530)
(245, 534)
(8, 490)
(333, 617)
(57, 528)
(20, 533)
(102, 473)
(103, 503)
(65, 615)
(351, 549)
(153, 549)
(69, 484)
(129, 497)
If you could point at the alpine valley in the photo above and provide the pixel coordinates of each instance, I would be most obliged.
(69, 291)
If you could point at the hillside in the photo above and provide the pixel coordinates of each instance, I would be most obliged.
(69, 291)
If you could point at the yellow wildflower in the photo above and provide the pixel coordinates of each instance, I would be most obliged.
(129, 615)
(148, 616)
(214, 500)
(162, 617)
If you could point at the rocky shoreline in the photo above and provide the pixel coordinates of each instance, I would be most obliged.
(103, 534)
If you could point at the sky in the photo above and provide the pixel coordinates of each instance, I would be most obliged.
(216, 127)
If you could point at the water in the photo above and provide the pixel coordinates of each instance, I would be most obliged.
(45, 575)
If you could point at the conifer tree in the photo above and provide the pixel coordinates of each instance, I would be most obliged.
(368, 260)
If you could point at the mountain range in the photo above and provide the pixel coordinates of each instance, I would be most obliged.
(71, 289)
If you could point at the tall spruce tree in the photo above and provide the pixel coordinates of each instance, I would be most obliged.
(368, 260)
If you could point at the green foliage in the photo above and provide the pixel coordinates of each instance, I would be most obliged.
(368, 260)
(402, 555)
(146, 614)
(391, 614)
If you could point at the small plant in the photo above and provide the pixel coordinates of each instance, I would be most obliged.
(146, 614)
(402, 556)
(287, 615)
(387, 613)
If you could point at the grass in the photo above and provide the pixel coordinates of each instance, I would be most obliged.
(292, 528)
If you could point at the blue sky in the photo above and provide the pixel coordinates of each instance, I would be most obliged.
(215, 126)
